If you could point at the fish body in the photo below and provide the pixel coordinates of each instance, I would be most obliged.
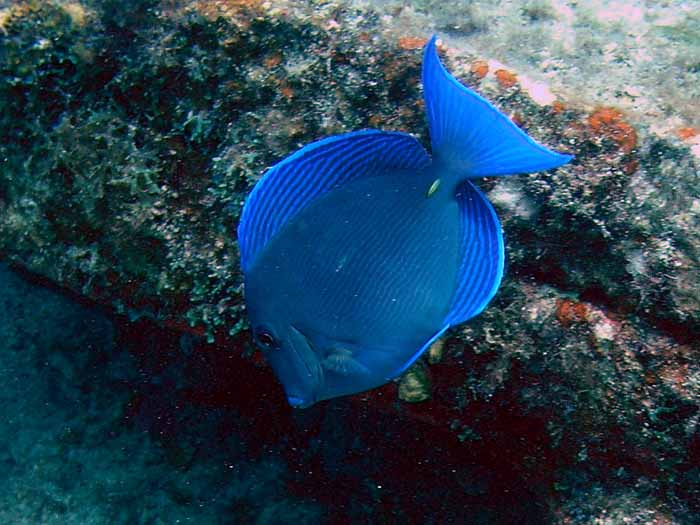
(368, 259)
(359, 250)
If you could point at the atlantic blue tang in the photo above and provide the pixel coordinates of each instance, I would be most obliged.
(359, 250)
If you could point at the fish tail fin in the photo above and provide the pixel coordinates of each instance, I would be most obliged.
(470, 137)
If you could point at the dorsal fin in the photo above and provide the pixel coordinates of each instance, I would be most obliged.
(314, 170)
(482, 255)
(469, 135)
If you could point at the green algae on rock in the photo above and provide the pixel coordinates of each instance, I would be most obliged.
(414, 385)
(130, 146)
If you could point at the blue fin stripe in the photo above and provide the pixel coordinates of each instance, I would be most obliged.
(484, 264)
(263, 204)
(470, 135)
(470, 245)
(405, 158)
(298, 183)
(481, 274)
(472, 256)
(313, 171)
(338, 155)
(474, 299)
(301, 188)
(354, 162)
(482, 256)
(472, 260)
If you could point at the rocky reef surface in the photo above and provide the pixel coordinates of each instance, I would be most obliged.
(130, 134)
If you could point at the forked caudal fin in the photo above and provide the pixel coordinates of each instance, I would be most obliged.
(469, 135)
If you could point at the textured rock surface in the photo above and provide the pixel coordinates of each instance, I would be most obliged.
(79, 445)
(130, 136)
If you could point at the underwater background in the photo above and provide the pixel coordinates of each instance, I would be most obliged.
(131, 133)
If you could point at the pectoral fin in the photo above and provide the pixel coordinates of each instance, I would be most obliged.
(342, 362)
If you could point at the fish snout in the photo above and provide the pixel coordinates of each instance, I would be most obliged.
(299, 402)
(299, 370)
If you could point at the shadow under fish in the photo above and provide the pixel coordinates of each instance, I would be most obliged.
(359, 250)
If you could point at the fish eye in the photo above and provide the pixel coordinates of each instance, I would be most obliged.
(265, 338)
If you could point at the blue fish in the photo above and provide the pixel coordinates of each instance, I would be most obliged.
(360, 250)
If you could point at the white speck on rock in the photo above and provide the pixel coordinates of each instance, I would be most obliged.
(538, 91)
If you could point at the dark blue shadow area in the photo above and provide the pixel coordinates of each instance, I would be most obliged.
(107, 420)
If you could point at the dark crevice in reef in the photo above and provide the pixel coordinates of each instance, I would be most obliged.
(197, 399)
(566, 264)
(50, 284)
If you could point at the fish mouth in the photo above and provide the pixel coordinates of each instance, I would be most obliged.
(296, 402)
(312, 371)
(300, 402)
